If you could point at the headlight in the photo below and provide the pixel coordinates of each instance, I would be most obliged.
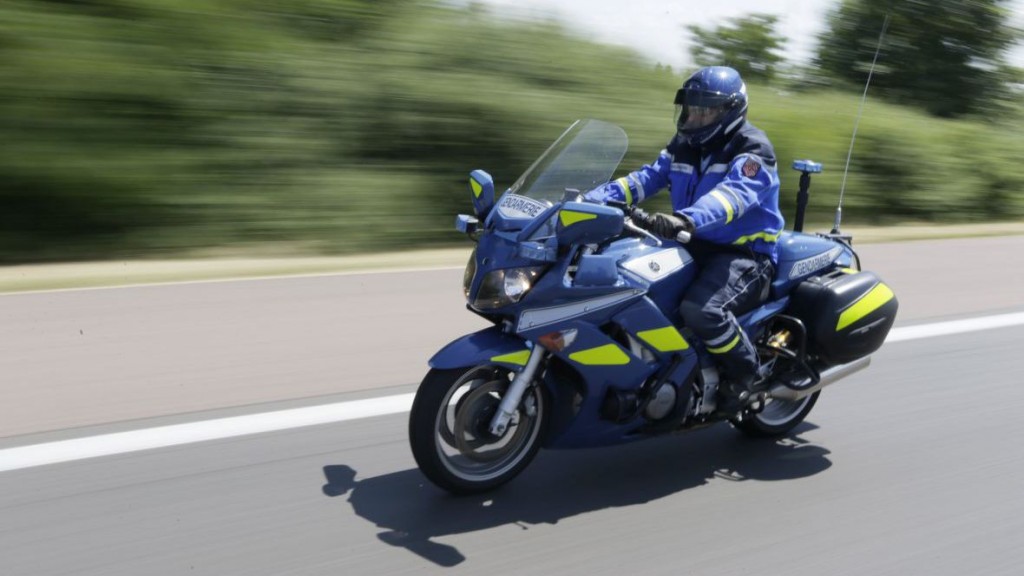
(467, 276)
(503, 287)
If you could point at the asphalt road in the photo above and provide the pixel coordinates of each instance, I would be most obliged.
(91, 357)
(911, 467)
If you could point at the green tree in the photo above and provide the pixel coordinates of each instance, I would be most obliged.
(750, 45)
(946, 56)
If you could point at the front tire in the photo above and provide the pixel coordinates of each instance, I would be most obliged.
(448, 429)
(777, 418)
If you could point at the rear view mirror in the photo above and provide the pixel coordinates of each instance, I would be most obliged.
(482, 186)
(583, 223)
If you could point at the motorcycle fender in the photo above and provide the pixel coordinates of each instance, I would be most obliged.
(488, 346)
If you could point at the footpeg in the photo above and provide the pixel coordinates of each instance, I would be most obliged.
(756, 403)
(733, 404)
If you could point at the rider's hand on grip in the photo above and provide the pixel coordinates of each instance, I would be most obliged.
(670, 225)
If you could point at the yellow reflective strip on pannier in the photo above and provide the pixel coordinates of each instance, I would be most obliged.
(519, 358)
(570, 217)
(666, 339)
(870, 302)
(725, 203)
(607, 355)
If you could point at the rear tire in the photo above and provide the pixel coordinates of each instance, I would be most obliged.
(777, 418)
(448, 429)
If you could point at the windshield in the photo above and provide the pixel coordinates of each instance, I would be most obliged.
(584, 157)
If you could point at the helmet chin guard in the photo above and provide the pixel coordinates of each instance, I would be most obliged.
(711, 103)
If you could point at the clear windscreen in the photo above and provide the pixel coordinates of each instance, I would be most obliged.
(584, 157)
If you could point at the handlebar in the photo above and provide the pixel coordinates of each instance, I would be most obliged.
(634, 228)
(636, 218)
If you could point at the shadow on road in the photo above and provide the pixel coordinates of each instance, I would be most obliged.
(562, 484)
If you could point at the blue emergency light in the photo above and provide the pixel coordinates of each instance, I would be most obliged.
(807, 166)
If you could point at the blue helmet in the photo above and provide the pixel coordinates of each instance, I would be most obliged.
(711, 103)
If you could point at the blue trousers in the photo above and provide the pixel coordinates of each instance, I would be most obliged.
(730, 283)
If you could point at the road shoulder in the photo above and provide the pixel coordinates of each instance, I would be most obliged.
(64, 276)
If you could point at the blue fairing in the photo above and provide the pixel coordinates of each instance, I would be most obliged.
(477, 348)
(666, 286)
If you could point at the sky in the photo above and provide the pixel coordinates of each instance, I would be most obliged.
(655, 27)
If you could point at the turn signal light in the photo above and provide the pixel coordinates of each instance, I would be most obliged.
(558, 341)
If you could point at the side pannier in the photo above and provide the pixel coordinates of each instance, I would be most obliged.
(847, 314)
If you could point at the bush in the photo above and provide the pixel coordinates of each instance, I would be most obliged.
(163, 127)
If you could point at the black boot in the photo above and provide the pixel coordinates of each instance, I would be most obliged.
(733, 395)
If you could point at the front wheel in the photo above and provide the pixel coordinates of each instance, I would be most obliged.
(448, 429)
(777, 418)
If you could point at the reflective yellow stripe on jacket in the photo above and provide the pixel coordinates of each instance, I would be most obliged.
(625, 189)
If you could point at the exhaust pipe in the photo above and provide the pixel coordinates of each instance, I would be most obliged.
(829, 376)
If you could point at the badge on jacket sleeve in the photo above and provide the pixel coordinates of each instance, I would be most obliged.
(750, 168)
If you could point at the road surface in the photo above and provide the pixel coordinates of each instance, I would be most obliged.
(910, 467)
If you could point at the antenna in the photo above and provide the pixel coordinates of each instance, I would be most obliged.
(856, 124)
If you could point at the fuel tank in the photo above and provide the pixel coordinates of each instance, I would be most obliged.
(666, 271)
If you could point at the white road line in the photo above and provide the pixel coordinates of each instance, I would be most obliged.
(221, 428)
(235, 279)
(955, 327)
(177, 434)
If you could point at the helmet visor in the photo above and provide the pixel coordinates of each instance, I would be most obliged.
(696, 109)
(690, 118)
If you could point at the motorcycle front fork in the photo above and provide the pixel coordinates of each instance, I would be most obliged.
(510, 402)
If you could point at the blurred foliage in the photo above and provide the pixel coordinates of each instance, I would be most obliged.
(947, 56)
(749, 44)
(148, 128)
(906, 164)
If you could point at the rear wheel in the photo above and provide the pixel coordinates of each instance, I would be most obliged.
(777, 418)
(448, 429)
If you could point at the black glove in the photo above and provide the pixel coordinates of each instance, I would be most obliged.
(669, 225)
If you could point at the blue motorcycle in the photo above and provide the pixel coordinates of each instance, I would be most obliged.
(587, 347)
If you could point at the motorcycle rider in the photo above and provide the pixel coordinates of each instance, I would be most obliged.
(721, 174)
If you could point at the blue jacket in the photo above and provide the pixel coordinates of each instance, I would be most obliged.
(730, 189)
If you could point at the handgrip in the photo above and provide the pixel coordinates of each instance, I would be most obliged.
(640, 217)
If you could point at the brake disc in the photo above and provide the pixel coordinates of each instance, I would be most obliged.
(473, 418)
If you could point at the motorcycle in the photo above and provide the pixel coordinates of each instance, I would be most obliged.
(587, 347)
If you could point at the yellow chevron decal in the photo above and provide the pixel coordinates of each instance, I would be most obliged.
(666, 339)
(477, 188)
(607, 355)
(519, 358)
(570, 217)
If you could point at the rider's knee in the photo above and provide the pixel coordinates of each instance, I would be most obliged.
(699, 317)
